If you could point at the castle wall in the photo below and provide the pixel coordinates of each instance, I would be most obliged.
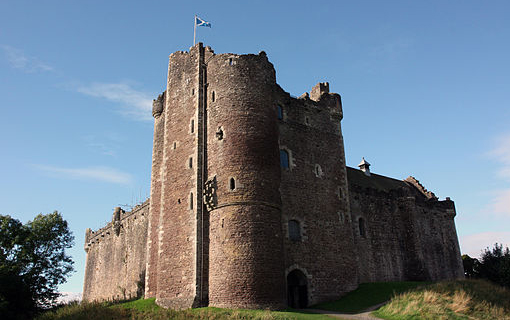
(408, 234)
(115, 265)
(246, 266)
(314, 193)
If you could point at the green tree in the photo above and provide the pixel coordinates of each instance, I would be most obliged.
(471, 266)
(33, 263)
(495, 265)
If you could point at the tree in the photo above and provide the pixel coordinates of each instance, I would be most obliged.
(471, 266)
(495, 265)
(33, 262)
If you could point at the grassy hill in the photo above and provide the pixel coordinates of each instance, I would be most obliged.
(465, 299)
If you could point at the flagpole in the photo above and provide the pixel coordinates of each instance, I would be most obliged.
(195, 30)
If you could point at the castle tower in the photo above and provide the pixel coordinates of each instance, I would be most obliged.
(217, 120)
(246, 246)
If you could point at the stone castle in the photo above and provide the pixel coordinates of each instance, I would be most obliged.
(253, 206)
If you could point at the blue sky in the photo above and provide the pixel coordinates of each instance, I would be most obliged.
(424, 86)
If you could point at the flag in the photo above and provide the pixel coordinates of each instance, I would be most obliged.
(201, 23)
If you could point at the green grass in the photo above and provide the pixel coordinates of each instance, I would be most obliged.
(147, 309)
(463, 299)
(367, 295)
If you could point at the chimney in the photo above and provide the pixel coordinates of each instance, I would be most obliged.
(364, 166)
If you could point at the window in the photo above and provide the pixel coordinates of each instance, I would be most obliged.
(230, 61)
(361, 224)
(284, 159)
(232, 183)
(191, 201)
(294, 230)
(213, 96)
(280, 112)
(190, 163)
(192, 126)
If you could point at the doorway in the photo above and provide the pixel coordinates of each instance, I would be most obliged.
(297, 291)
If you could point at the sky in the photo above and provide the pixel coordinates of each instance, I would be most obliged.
(424, 86)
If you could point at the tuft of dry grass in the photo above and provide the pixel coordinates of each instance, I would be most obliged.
(463, 299)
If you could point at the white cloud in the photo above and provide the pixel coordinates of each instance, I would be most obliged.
(136, 104)
(105, 174)
(501, 154)
(474, 244)
(500, 202)
(19, 60)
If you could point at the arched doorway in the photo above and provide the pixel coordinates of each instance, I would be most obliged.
(297, 291)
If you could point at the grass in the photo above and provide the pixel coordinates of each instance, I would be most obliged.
(367, 295)
(465, 299)
(147, 309)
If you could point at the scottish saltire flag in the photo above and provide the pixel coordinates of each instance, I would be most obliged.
(201, 23)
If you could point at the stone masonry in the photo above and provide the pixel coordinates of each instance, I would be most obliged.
(253, 206)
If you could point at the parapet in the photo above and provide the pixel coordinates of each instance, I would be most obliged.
(119, 216)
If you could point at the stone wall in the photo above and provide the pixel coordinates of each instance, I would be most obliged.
(115, 265)
(401, 231)
(314, 193)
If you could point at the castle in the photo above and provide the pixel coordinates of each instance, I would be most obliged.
(253, 206)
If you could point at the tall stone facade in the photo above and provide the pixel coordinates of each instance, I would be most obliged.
(252, 205)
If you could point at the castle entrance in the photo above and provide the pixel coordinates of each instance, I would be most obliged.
(297, 291)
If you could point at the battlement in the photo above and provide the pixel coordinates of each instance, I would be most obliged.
(114, 227)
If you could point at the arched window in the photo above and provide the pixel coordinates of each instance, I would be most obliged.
(362, 229)
(284, 159)
(232, 183)
(280, 112)
(294, 230)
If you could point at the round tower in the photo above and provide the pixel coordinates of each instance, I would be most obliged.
(246, 263)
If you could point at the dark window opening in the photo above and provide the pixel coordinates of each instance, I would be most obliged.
(284, 159)
(232, 183)
(297, 290)
(294, 230)
(219, 134)
(193, 91)
(362, 230)
(307, 120)
(192, 126)
(213, 96)
(230, 62)
(190, 163)
(191, 201)
(175, 145)
(280, 112)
